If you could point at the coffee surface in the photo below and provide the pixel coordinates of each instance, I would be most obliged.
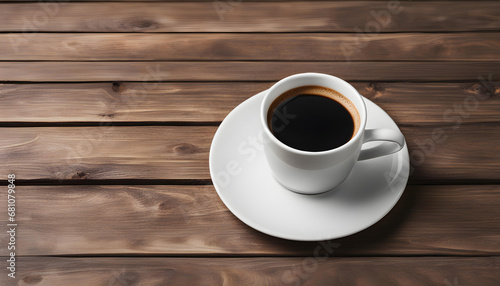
(310, 119)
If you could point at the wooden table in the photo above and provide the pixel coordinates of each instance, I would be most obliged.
(108, 109)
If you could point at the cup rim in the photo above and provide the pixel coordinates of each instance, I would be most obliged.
(348, 144)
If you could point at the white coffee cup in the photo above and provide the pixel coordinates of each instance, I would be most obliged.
(309, 172)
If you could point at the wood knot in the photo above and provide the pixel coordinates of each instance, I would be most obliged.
(107, 115)
(80, 175)
(483, 90)
(164, 206)
(374, 90)
(185, 148)
(125, 277)
(143, 24)
(33, 279)
(375, 86)
(137, 242)
(118, 86)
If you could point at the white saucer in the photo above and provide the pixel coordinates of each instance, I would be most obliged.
(245, 184)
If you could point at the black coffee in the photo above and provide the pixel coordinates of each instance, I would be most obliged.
(309, 118)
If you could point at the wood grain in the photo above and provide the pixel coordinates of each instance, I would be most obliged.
(249, 17)
(439, 154)
(461, 149)
(294, 46)
(135, 200)
(243, 71)
(192, 220)
(259, 271)
(407, 103)
(162, 152)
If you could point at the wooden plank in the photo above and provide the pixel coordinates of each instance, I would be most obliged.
(129, 152)
(190, 220)
(123, 101)
(407, 103)
(249, 17)
(259, 271)
(242, 71)
(439, 153)
(302, 47)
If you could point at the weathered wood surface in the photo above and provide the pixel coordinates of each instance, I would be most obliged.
(190, 220)
(120, 102)
(82, 84)
(275, 46)
(305, 16)
(439, 154)
(259, 271)
(162, 152)
(243, 71)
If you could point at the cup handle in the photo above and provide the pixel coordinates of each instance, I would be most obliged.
(391, 136)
